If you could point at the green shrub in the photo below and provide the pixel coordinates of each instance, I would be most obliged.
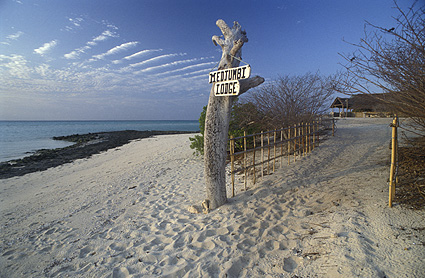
(242, 119)
(197, 143)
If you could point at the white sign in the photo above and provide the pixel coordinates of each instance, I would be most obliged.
(232, 74)
(228, 88)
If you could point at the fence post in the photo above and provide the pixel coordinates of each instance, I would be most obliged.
(232, 162)
(289, 144)
(262, 154)
(295, 141)
(253, 160)
(300, 151)
(314, 134)
(244, 161)
(309, 137)
(268, 153)
(304, 138)
(301, 139)
(281, 148)
(274, 151)
(318, 131)
(394, 146)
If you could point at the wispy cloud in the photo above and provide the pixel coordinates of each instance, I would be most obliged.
(136, 55)
(74, 24)
(199, 71)
(42, 50)
(12, 37)
(116, 50)
(140, 53)
(188, 67)
(94, 87)
(15, 36)
(76, 53)
(175, 63)
(102, 37)
(71, 79)
(156, 59)
(76, 21)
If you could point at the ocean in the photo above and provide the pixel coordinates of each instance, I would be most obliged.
(22, 138)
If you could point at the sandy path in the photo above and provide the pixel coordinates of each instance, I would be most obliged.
(123, 213)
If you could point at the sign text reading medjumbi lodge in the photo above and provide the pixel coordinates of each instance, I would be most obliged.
(228, 88)
(226, 81)
(230, 74)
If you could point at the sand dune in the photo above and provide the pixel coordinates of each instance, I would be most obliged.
(123, 213)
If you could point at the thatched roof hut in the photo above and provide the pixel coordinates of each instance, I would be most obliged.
(373, 103)
(341, 103)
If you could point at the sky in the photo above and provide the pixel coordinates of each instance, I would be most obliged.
(150, 59)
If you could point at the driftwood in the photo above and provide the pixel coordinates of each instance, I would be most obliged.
(218, 114)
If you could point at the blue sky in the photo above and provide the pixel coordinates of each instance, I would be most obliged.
(149, 59)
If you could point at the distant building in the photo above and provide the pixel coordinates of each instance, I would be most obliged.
(362, 105)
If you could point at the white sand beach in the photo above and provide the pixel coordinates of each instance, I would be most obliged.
(124, 213)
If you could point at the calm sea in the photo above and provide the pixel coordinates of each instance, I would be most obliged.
(19, 139)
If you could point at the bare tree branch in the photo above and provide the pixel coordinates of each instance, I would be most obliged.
(392, 61)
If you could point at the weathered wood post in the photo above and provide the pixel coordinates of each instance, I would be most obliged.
(218, 113)
(394, 146)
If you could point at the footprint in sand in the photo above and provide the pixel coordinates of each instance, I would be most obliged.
(85, 251)
(117, 247)
(275, 245)
(245, 245)
(121, 272)
(289, 264)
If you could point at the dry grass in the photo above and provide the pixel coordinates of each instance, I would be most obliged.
(411, 187)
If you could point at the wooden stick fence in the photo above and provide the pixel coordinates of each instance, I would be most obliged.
(297, 140)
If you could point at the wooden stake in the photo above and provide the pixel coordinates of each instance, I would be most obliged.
(281, 148)
(298, 140)
(262, 154)
(393, 161)
(306, 138)
(274, 151)
(314, 134)
(295, 141)
(244, 161)
(268, 153)
(303, 138)
(318, 130)
(253, 161)
(309, 137)
(289, 145)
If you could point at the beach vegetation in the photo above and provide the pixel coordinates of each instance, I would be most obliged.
(282, 102)
(243, 119)
(197, 142)
(291, 99)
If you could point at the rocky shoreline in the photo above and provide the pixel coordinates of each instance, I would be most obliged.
(85, 146)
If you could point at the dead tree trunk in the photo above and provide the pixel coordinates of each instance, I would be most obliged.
(218, 114)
